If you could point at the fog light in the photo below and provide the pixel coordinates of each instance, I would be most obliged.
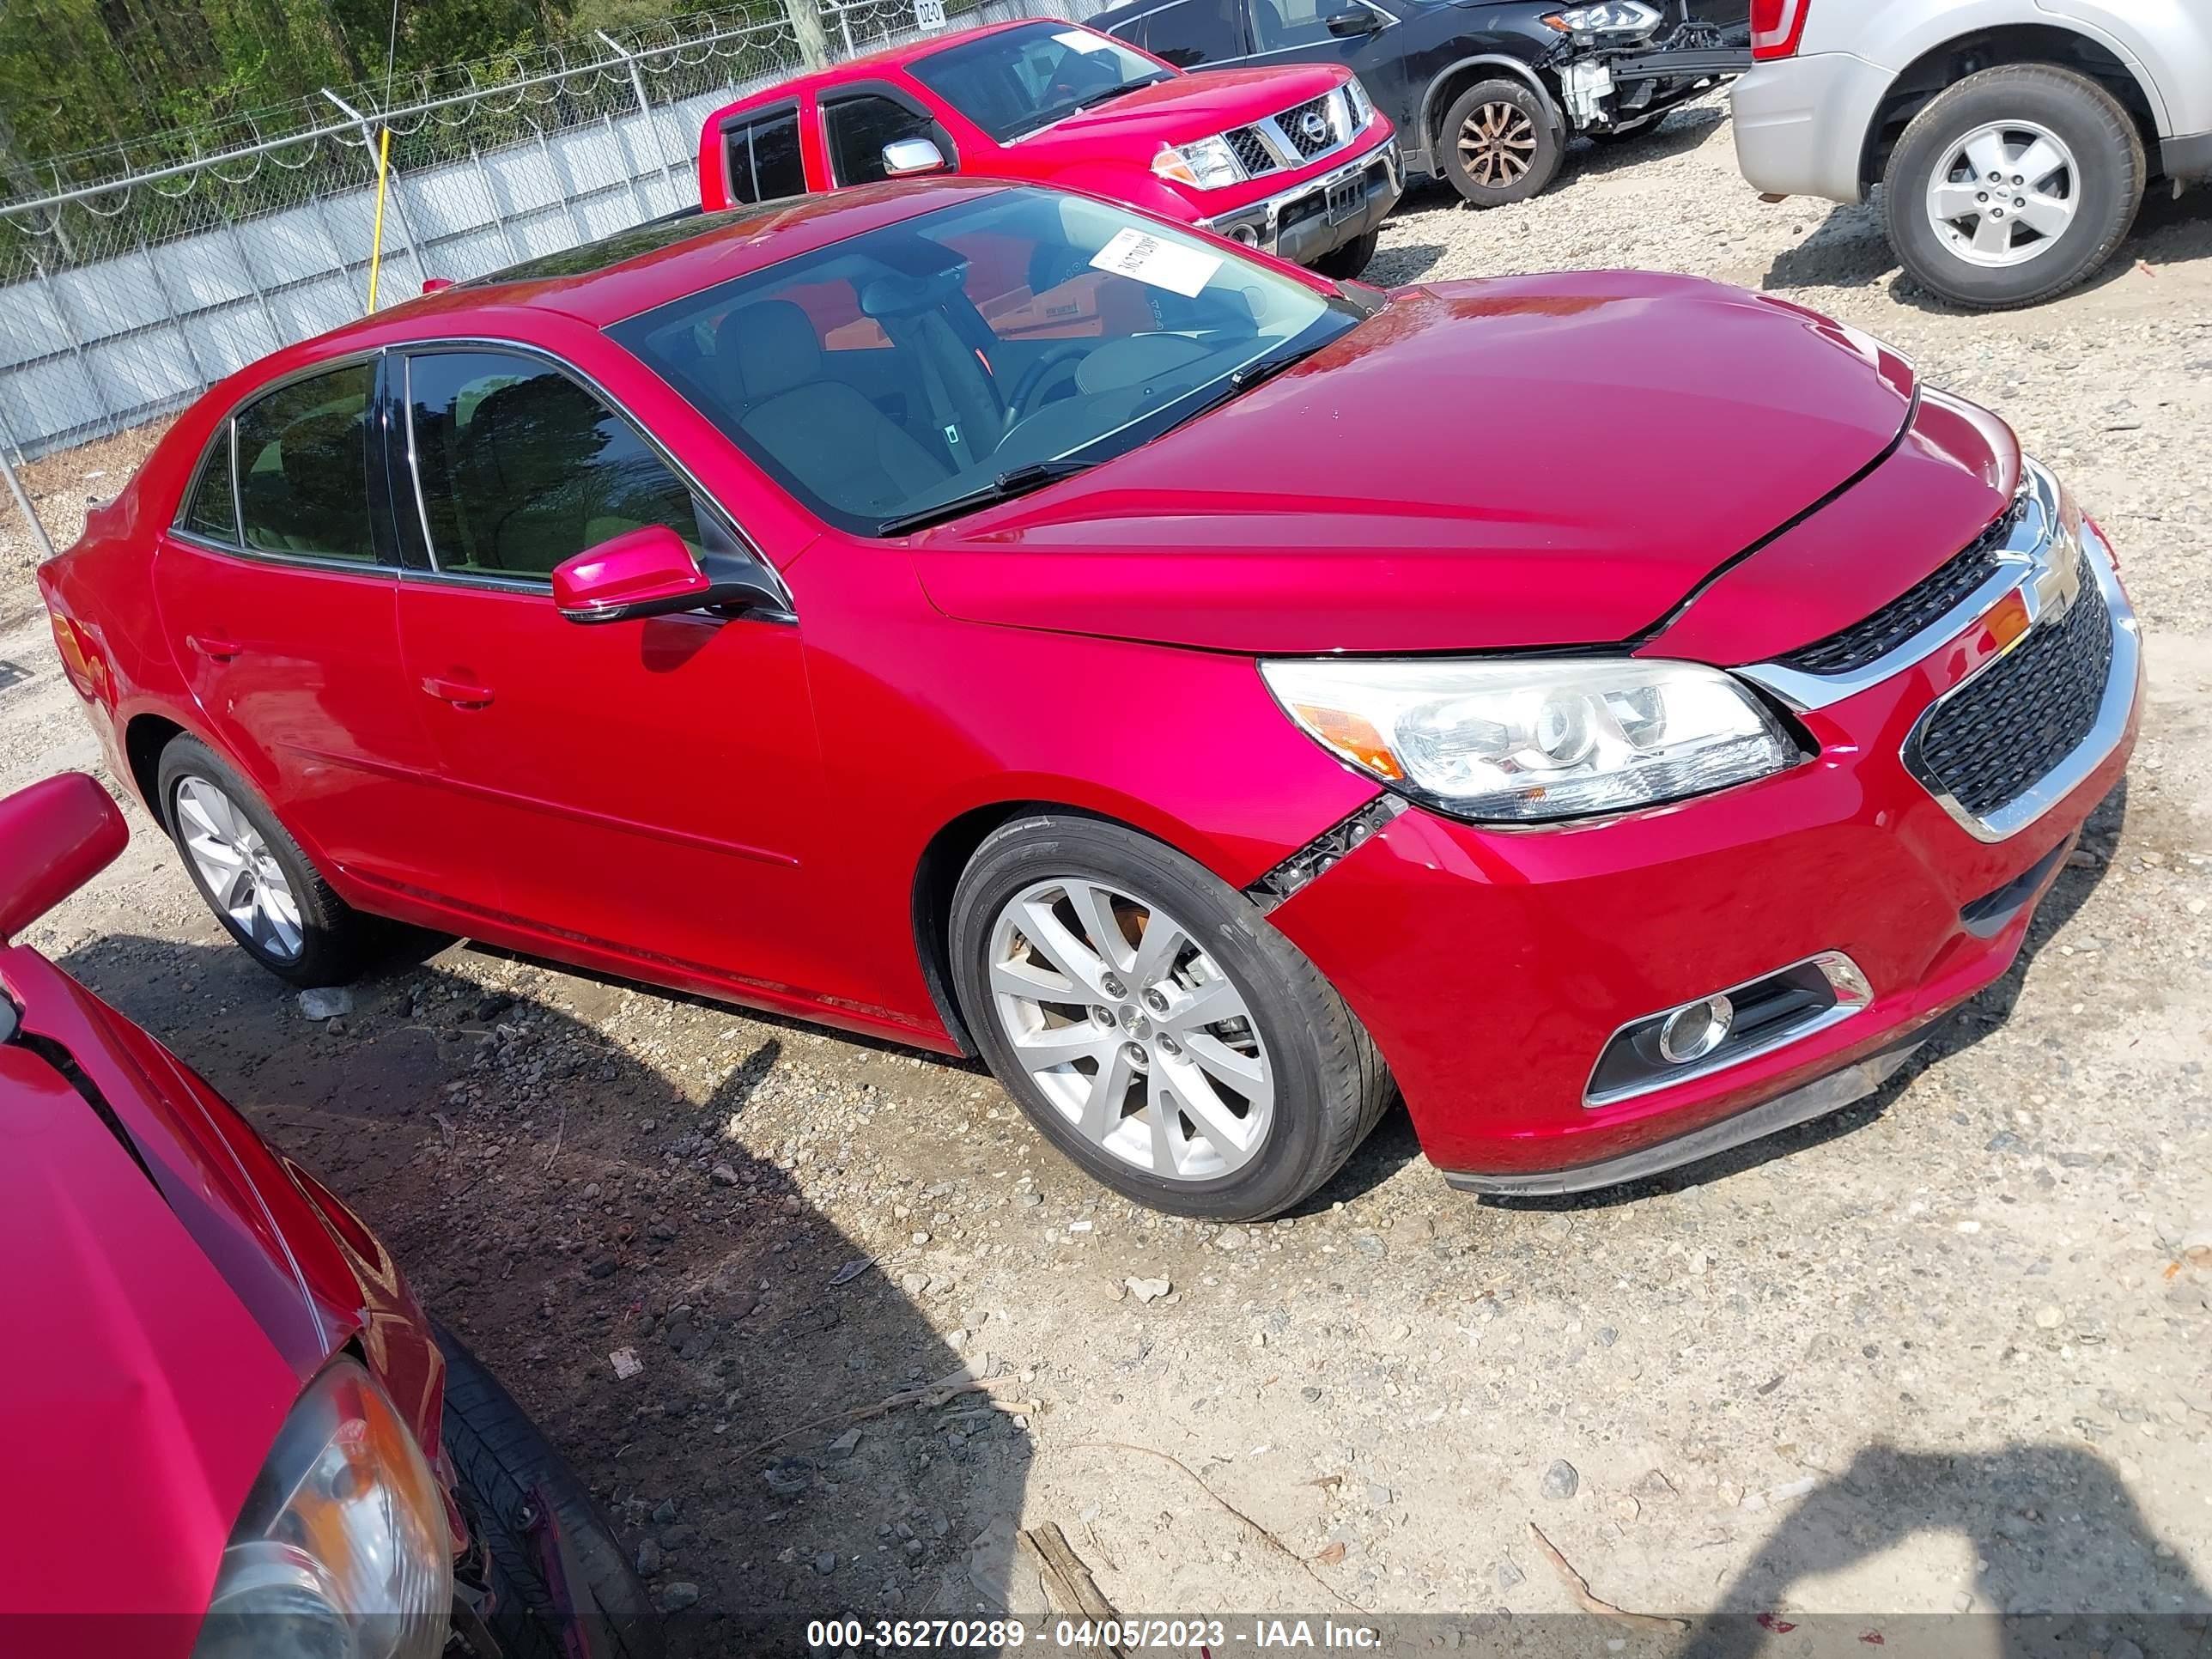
(1245, 233)
(1692, 1032)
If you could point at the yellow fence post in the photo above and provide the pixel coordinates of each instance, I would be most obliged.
(376, 240)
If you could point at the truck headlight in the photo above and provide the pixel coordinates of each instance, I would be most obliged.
(1610, 17)
(1206, 164)
(1528, 742)
(342, 1550)
(1363, 106)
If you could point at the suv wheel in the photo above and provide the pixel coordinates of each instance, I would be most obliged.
(253, 874)
(2013, 186)
(1501, 142)
(1153, 1025)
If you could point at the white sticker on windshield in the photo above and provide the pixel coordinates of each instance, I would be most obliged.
(1147, 257)
(1083, 40)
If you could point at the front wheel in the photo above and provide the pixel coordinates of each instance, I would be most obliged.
(1152, 1024)
(1501, 142)
(2013, 186)
(1341, 265)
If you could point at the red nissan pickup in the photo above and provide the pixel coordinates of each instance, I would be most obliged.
(1295, 160)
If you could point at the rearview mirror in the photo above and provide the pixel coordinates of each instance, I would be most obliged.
(1357, 20)
(651, 573)
(59, 834)
(903, 158)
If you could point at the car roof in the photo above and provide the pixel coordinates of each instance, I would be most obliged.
(603, 282)
(874, 63)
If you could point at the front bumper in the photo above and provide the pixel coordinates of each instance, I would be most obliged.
(1493, 967)
(1296, 224)
(1801, 124)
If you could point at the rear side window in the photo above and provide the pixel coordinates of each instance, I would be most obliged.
(857, 129)
(212, 510)
(764, 157)
(303, 467)
(520, 468)
(1195, 32)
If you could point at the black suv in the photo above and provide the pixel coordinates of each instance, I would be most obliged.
(1483, 92)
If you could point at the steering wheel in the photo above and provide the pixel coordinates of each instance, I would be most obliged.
(1028, 395)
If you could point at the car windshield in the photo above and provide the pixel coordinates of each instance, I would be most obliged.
(1021, 79)
(962, 355)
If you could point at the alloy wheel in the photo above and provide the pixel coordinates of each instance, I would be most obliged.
(2004, 194)
(1130, 1029)
(1498, 143)
(235, 862)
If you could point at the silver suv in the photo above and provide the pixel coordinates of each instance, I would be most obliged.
(2013, 139)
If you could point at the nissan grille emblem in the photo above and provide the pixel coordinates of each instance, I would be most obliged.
(1312, 128)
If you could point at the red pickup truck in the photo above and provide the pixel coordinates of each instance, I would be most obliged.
(1295, 160)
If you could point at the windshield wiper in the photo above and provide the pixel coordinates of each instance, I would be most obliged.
(1097, 98)
(1017, 481)
(1241, 381)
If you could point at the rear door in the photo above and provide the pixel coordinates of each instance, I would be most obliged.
(277, 588)
(763, 157)
(636, 786)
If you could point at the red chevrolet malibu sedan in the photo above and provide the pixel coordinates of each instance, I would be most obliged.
(989, 618)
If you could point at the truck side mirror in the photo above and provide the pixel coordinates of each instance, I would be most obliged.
(907, 158)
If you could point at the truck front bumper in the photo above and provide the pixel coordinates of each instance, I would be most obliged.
(1296, 223)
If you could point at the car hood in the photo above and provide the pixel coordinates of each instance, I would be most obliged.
(1516, 462)
(1133, 127)
(141, 1394)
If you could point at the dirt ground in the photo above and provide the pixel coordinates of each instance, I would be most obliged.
(1945, 1353)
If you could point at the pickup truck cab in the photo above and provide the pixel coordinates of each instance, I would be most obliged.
(1294, 160)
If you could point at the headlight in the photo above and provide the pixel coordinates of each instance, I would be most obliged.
(1363, 106)
(1612, 17)
(342, 1550)
(1524, 741)
(1208, 164)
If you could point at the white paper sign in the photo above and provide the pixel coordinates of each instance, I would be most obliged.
(929, 14)
(1147, 257)
(1082, 40)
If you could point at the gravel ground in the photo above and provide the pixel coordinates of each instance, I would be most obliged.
(1946, 1352)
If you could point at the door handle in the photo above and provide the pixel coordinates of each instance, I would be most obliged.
(459, 693)
(214, 650)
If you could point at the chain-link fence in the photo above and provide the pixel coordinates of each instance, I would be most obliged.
(147, 271)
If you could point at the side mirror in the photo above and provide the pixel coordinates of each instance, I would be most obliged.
(907, 158)
(56, 836)
(651, 573)
(1357, 20)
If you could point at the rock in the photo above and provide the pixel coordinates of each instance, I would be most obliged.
(327, 1003)
(1230, 1238)
(941, 1523)
(826, 1563)
(1028, 1200)
(1560, 1480)
(915, 1549)
(1310, 1393)
(2123, 1648)
(664, 1511)
(2196, 1248)
(843, 1445)
(722, 1175)
(2049, 1317)
(1378, 1494)
(2004, 1140)
(1607, 1336)
(1507, 1575)
(676, 1596)
(1963, 1601)
(1147, 1289)
(678, 1537)
(602, 1268)
(648, 1559)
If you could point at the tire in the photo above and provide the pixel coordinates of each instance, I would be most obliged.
(333, 939)
(1323, 1085)
(1343, 264)
(1520, 115)
(501, 1464)
(2104, 183)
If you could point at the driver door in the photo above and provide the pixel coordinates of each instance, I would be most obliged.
(635, 788)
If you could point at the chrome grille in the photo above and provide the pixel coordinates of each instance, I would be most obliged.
(1300, 131)
(1252, 150)
(2012, 725)
(1873, 637)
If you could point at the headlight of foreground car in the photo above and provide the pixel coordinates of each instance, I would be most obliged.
(1363, 106)
(1208, 164)
(1528, 742)
(342, 1550)
(1612, 17)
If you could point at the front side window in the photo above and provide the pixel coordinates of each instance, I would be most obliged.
(303, 467)
(1018, 328)
(857, 128)
(520, 468)
(212, 510)
(763, 160)
(1283, 25)
(1193, 32)
(1020, 79)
